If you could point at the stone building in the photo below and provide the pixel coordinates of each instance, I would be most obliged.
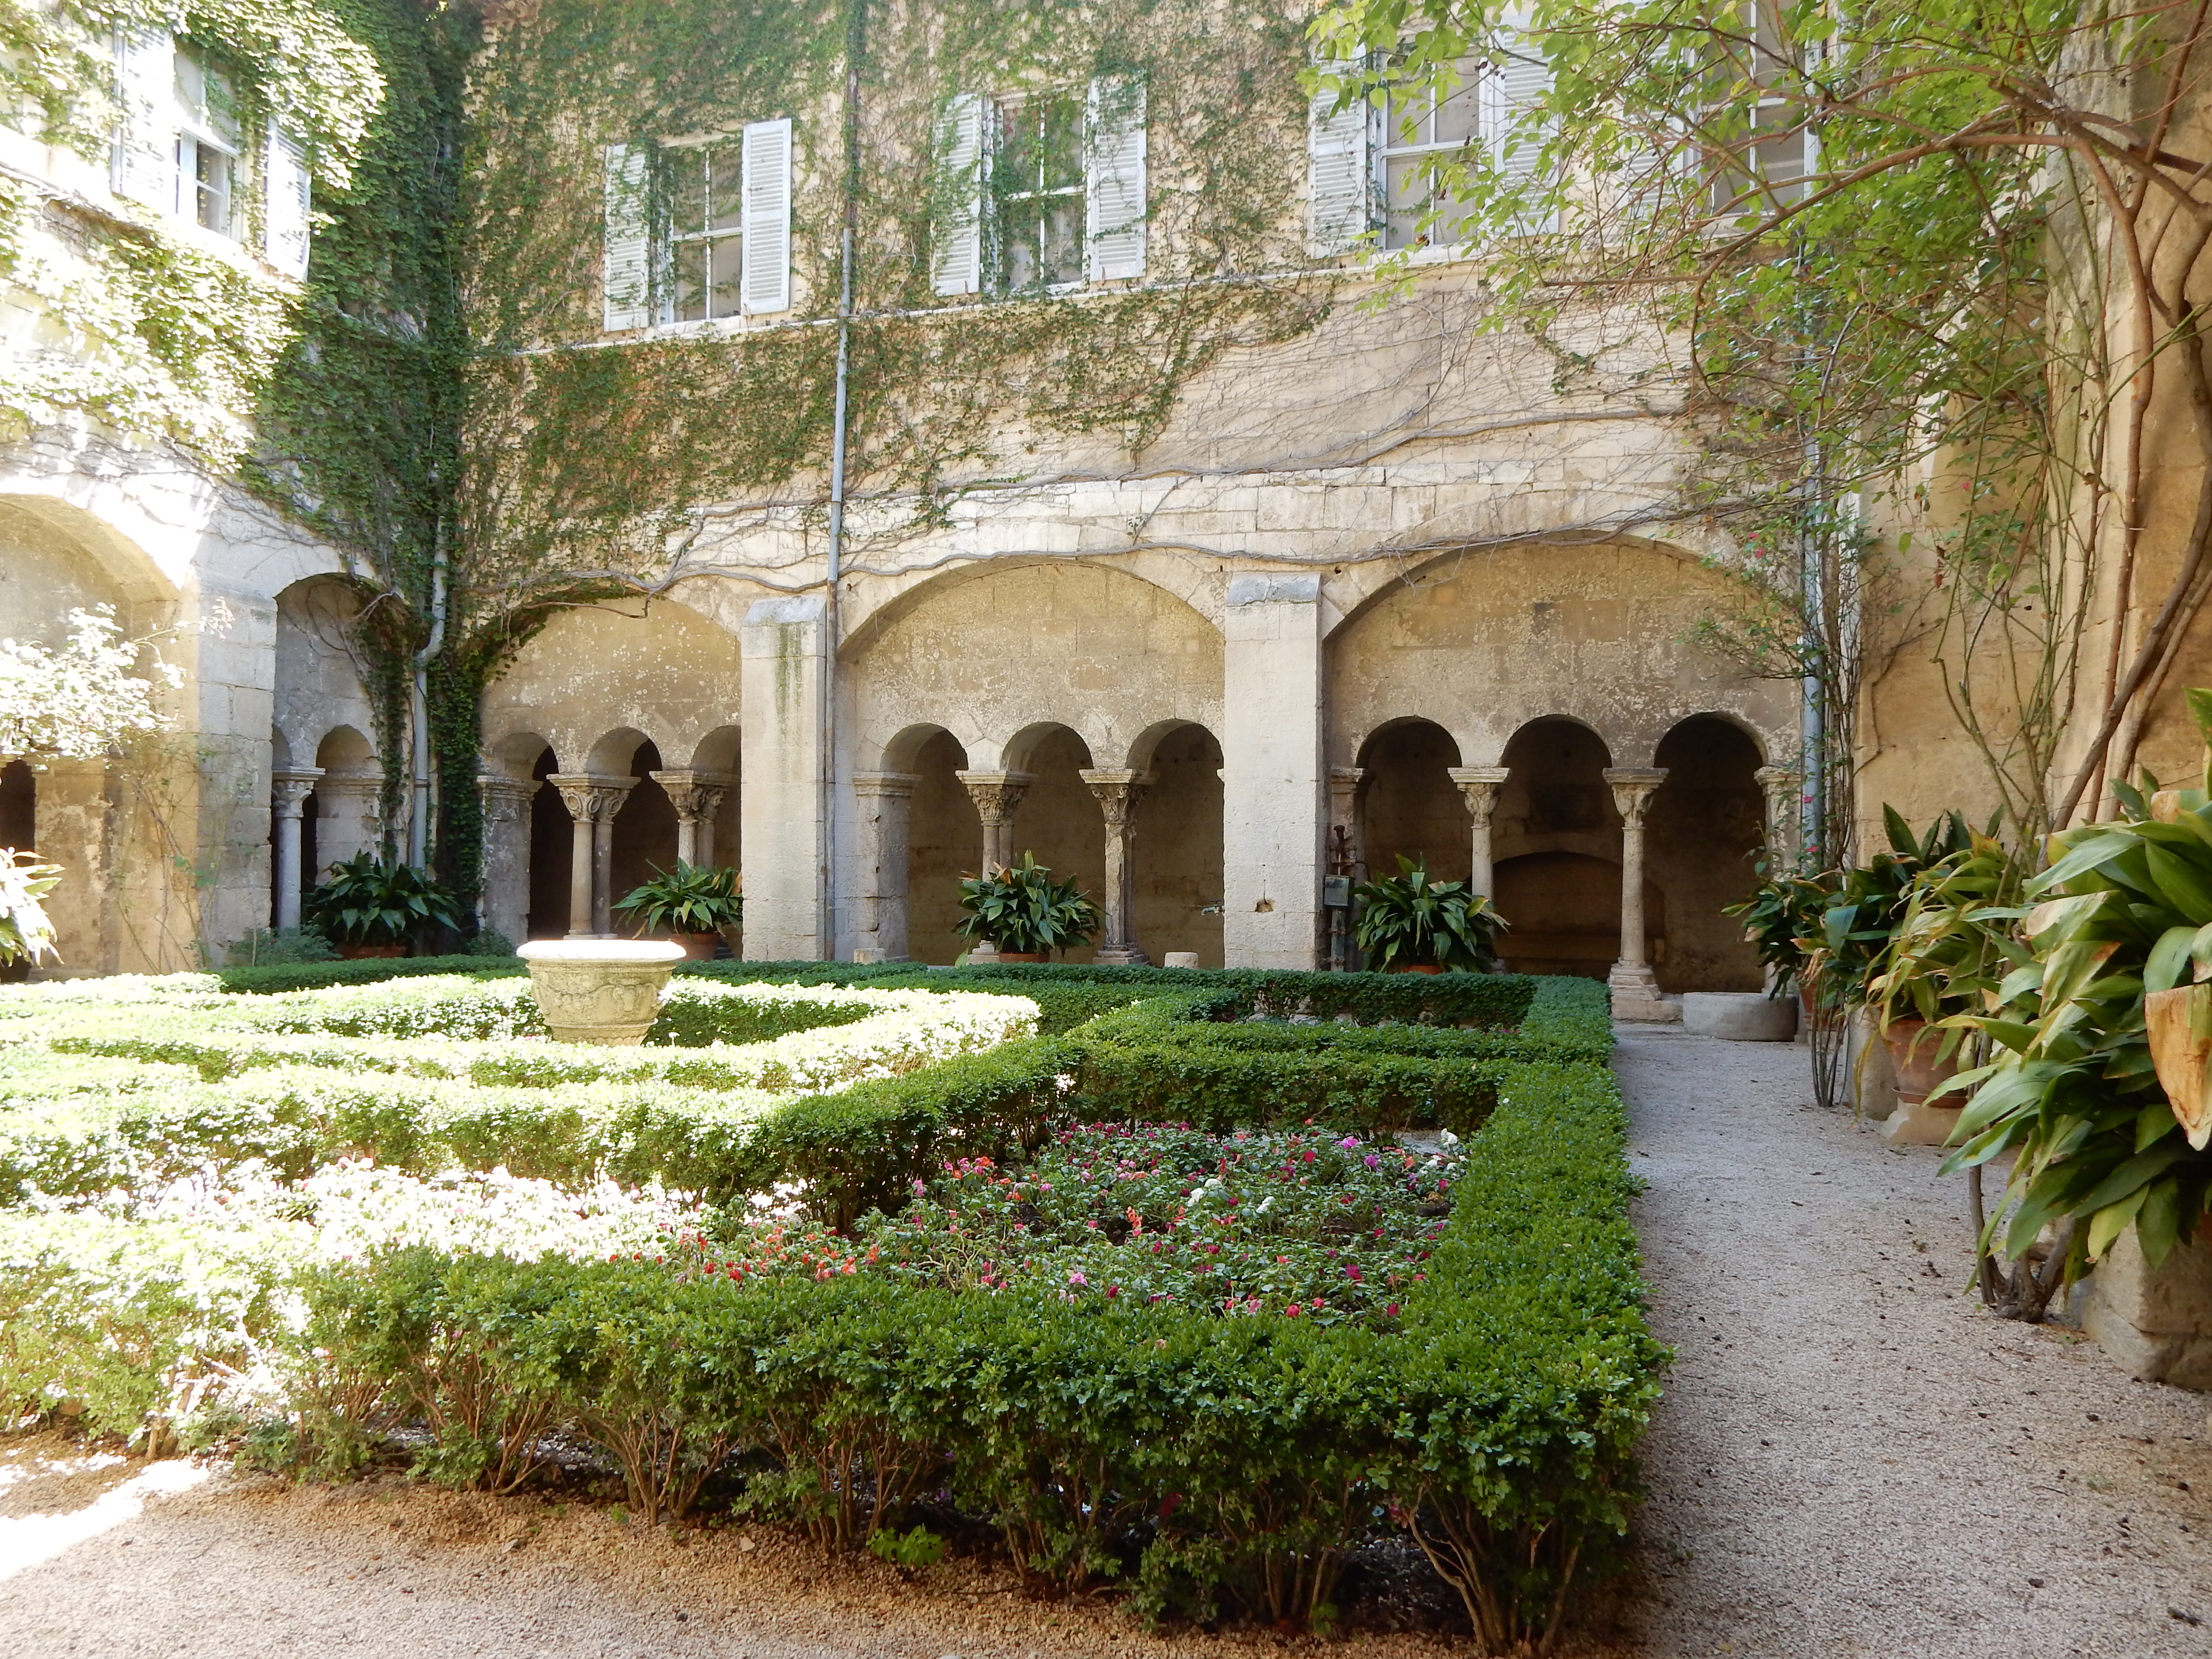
(1381, 585)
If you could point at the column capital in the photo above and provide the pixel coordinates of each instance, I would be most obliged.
(896, 786)
(694, 793)
(592, 797)
(505, 797)
(1479, 786)
(1632, 787)
(289, 789)
(996, 794)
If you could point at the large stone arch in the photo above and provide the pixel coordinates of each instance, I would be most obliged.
(1604, 633)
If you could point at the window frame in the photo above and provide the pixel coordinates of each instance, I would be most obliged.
(1477, 81)
(668, 240)
(1075, 197)
(199, 134)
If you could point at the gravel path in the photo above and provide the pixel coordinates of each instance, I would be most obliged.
(1851, 1460)
(1853, 1457)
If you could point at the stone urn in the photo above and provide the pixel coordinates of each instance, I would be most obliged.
(599, 990)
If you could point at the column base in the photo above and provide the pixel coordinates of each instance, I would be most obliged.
(1120, 956)
(1637, 995)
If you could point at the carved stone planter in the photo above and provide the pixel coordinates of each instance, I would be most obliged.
(599, 990)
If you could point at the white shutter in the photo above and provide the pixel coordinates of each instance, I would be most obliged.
(956, 240)
(626, 276)
(144, 164)
(285, 197)
(765, 277)
(1514, 90)
(1114, 179)
(1340, 176)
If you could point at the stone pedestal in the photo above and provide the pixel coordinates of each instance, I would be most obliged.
(602, 991)
(1740, 1016)
(505, 905)
(2155, 1322)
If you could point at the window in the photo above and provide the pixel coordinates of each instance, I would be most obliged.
(706, 227)
(1418, 128)
(1038, 190)
(208, 172)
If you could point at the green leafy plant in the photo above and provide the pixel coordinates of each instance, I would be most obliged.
(1956, 942)
(26, 933)
(1780, 919)
(918, 1548)
(1408, 919)
(1021, 908)
(366, 901)
(1868, 905)
(691, 898)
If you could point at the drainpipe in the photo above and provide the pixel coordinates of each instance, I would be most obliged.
(826, 908)
(425, 800)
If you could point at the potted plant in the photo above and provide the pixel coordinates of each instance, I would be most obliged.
(695, 902)
(1780, 919)
(26, 933)
(367, 907)
(1021, 911)
(1410, 923)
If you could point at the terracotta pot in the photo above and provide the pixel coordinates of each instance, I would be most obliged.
(2180, 1026)
(1417, 967)
(698, 947)
(1023, 956)
(1913, 1048)
(370, 952)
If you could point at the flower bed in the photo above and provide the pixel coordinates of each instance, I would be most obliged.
(1205, 1359)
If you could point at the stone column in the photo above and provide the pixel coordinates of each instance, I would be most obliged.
(1118, 794)
(505, 905)
(782, 807)
(1274, 803)
(1784, 788)
(696, 797)
(289, 793)
(885, 801)
(593, 801)
(1634, 991)
(350, 822)
(78, 824)
(998, 796)
(1479, 786)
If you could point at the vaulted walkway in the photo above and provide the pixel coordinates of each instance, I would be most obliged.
(1853, 1458)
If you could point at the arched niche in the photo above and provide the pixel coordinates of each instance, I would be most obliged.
(1702, 832)
(1059, 820)
(1556, 838)
(317, 667)
(1178, 847)
(945, 838)
(1409, 806)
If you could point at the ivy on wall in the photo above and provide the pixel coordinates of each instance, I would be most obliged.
(439, 402)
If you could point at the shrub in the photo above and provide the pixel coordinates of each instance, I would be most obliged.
(365, 901)
(1021, 908)
(264, 947)
(1410, 920)
(689, 899)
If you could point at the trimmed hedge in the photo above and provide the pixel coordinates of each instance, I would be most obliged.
(274, 977)
(1203, 1460)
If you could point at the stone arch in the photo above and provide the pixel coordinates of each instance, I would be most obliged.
(1557, 837)
(1704, 827)
(612, 754)
(318, 679)
(1484, 640)
(1178, 850)
(1409, 807)
(943, 837)
(1003, 650)
(1058, 818)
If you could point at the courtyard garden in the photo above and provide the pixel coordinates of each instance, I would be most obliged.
(1193, 1289)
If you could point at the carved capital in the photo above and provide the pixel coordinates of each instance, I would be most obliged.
(591, 797)
(505, 799)
(695, 795)
(1632, 787)
(1118, 792)
(997, 795)
(288, 791)
(1478, 787)
(1344, 782)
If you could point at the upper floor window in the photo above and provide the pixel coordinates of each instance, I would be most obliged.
(698, 229)
(207, 145)
(1037, 189)
(1419, 127)
(705, 183)
(1040, 190)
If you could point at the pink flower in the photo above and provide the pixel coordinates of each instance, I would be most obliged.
(1351, 1272)
(1390, 1312)
(1293, 1310)
(1077, 1277)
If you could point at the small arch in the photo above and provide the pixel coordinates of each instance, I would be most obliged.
(1178, 845)
(644, 831)
(552, 845)
(1409, 807)
(614, 755)
(718, 751)
(903, 753)
(1706, 827)
(343, 750)
(1556, 836)
(516, 754)
(1020, 751)
(1147, 742)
